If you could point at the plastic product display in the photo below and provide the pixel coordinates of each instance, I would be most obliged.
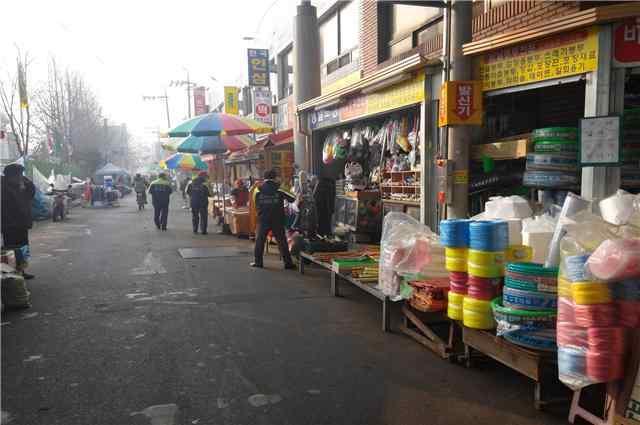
(555, 146)
(489, 235)
(454, 307)
(591, 293)
(555, 134)
(509, 319)
(528, 300)
(550, 179)
(477, 314)
(485, 271)
(454, 233)
(616, 259)
(518, 253)
(552, 161)
(537, 340)
(531, 277)
(456, 259)
(574, 267)
(486, 258)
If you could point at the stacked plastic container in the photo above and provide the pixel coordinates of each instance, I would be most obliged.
(554, 163)
(526, 313)
(488, 241)
(454, 236)
(599, 300)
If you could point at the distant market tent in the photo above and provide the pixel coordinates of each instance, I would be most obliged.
(111, 170)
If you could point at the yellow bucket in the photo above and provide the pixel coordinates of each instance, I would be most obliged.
(454, 306)
(585, 293)
(454, 264)
(480, 270)
(477, 314)
(519, 254)
(564, 288)
(486, 258)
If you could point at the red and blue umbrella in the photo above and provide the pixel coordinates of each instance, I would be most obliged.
(219, 124)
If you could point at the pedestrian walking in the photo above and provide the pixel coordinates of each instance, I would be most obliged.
(199, 193)
(160, 190)
(184, 184)
(140, 187)
(17, 197)
(269, 200)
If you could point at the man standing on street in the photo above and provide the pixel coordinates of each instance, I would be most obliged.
(160, 190)
(269, 204)
(199, 193)
(17, 197)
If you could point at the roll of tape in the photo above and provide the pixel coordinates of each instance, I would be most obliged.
(485, 271)
(486, 293)
(475, 320)
(453, 264)
(458, 288)
(590, 293)
(528, 300)
(459, 277)
(607, 340)
(454, 233)
(489, 235)
(454, 307)
(564, 288)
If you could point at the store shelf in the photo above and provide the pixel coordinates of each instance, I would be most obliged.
(399, 186)
(401, 172)
(401, 202)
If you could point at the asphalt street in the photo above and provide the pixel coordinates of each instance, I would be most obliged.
(124, 331)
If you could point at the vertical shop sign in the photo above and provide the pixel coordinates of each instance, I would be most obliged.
(262, 105)
(626, 43)
(199, 102)
(460, 103)
(231, 100)
(557, 56)
(258, 60)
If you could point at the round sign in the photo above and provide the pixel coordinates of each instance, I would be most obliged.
(262, 109)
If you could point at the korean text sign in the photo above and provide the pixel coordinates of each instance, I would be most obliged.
(460, 103)
(552, 57)
(258, 60)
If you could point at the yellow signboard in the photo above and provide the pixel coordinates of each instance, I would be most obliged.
(460, 103)
(231, 100)
(343, 82)
(397, 96)
(557, 56)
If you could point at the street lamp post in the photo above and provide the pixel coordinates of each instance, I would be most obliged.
(189, 84)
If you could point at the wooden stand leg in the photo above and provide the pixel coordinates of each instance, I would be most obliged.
(609, 407)
(386, 314)
(335, 291)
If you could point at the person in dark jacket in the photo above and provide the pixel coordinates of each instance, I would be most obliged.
(269, 201)
(199, 193)
(160, 190)
(17, 196)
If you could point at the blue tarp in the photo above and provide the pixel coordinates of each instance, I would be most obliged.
(41, 207)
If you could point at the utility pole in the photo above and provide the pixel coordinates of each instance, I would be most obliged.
(188, 95)
(459, 137)
(166, 106)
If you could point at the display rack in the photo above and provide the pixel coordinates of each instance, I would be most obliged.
(395, 188)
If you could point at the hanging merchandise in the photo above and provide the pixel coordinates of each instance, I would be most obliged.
(327, 150)
(354, 176)
(402, 138)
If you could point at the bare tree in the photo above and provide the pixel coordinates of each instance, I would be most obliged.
(14, 97)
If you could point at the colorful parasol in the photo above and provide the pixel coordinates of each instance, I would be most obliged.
(218, 123)
(208, 144)
(184, 162)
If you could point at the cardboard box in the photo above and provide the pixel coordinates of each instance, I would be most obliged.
(508, 149)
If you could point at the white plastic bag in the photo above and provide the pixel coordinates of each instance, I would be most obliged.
(405, 248)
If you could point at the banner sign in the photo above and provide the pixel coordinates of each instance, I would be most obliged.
(231, 100)
(285, 118)
(400, 95)
(262, 105)
(626, 43)
(557, 56)
(199, 102)
(258, 60)
(460, 103)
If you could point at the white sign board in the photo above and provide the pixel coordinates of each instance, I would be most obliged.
(262, 106)
(600, 141)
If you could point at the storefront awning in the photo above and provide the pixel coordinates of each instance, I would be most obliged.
(379, 80)
(280, 139)
(584, 18)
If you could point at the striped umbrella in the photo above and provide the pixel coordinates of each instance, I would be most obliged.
(184, 162)
(208, 144)
(218, 123)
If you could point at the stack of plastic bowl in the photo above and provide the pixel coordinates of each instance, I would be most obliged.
(454, 236)
(488, 241)
(554, 162)
(526, 313)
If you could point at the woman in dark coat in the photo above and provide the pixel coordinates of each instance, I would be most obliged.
(17, 197)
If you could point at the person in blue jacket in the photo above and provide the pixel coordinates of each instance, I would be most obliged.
(199, 194)
(160, 190)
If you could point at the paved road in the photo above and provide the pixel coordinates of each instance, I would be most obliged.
(124, 331)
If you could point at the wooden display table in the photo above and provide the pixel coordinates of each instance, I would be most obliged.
(238, 221)
(541, 366)
(421, 326)
(336, 278)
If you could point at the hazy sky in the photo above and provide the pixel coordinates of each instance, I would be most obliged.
(129, 48)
